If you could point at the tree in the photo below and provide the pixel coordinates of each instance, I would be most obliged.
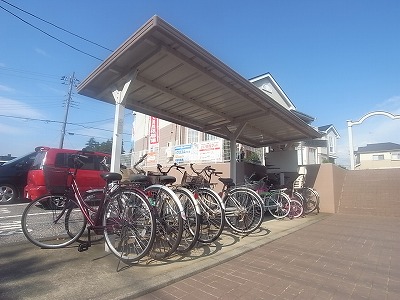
(105, 147)
(92, 145)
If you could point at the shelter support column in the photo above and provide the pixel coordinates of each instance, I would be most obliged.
(233, 159)
(119, 97)
(117, 132)
(233, 138)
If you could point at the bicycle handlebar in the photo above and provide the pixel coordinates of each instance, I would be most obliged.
(135, 166)
(208, 171)
(175, 165)
(140, 160)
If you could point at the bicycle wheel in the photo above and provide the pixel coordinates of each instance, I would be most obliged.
(278, 204)
(191, 226)
(92, 198)
(129, 225)
(311, 199)
(296, 209)
(169, 220)
(244, 210)
(45, 222)
(212, 215)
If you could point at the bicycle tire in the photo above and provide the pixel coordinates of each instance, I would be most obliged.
(191, 225)
(277, 203)
(45, 225)
(297, 196)
(244, 211)
(311, 200)
(169, 220)
(129, 225)
(296, 209)
(212, 215)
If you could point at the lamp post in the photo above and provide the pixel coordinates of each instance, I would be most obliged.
(351, 123)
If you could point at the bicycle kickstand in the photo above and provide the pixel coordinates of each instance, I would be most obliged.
(83, 246)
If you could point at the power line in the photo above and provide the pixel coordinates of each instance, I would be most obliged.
(28, 72)
(59, 122)
(27, 75)
(53, 37)
(98, 137)
(104, 120)
(58, 27)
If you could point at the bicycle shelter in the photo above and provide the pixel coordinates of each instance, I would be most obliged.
(160, 72)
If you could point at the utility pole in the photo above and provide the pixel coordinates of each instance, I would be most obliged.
(72, 81)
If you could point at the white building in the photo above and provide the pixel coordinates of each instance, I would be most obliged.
(378, 156)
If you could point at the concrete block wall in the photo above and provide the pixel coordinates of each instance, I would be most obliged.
(371, 192)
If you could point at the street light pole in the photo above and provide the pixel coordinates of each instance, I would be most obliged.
(350, 133)
(72, 81)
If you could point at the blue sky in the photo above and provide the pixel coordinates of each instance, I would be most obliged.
(335, 60)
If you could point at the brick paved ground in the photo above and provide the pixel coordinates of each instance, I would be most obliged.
(341, 257)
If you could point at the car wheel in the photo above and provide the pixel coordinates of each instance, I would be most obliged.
(8, 193)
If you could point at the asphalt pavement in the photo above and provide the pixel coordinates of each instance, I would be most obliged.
(28, 272)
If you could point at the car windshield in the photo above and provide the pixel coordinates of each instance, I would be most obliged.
(17, 159)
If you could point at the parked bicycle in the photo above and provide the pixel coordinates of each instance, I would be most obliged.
(310, 196)
(191, 207)
(167, 209)
(276, 201)
(60, 218)
(243, 207)
(211, 207)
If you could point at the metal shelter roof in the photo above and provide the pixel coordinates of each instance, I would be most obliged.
(175, 79)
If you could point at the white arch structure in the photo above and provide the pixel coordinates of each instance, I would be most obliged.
(351, 123)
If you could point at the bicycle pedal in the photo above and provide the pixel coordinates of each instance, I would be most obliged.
(83, 247)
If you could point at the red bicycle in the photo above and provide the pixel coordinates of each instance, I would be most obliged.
(123, 216)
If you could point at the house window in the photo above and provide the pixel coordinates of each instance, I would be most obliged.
(378, 157)
(331, 145)
(192, 136)
(396, 156)
(209, 137)
(312, 156)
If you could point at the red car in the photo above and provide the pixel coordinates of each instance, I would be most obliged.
(88, 176)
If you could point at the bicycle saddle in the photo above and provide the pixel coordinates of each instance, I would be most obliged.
(108, 177)
(227, 181)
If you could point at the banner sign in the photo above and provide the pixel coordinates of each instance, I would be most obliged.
(154, 131)
(202, 151)
(183, 154)
(210, 150)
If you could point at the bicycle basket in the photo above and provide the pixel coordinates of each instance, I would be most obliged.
(253, 185)
(57, 180)
(189, 180)
(154, 177)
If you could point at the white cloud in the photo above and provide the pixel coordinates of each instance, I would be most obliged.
(40, 51)
(391, 105)
(4, 88)
(7, 129)
(10, 107)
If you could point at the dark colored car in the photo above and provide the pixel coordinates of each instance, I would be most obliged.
(13, 176)
(59, 161)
